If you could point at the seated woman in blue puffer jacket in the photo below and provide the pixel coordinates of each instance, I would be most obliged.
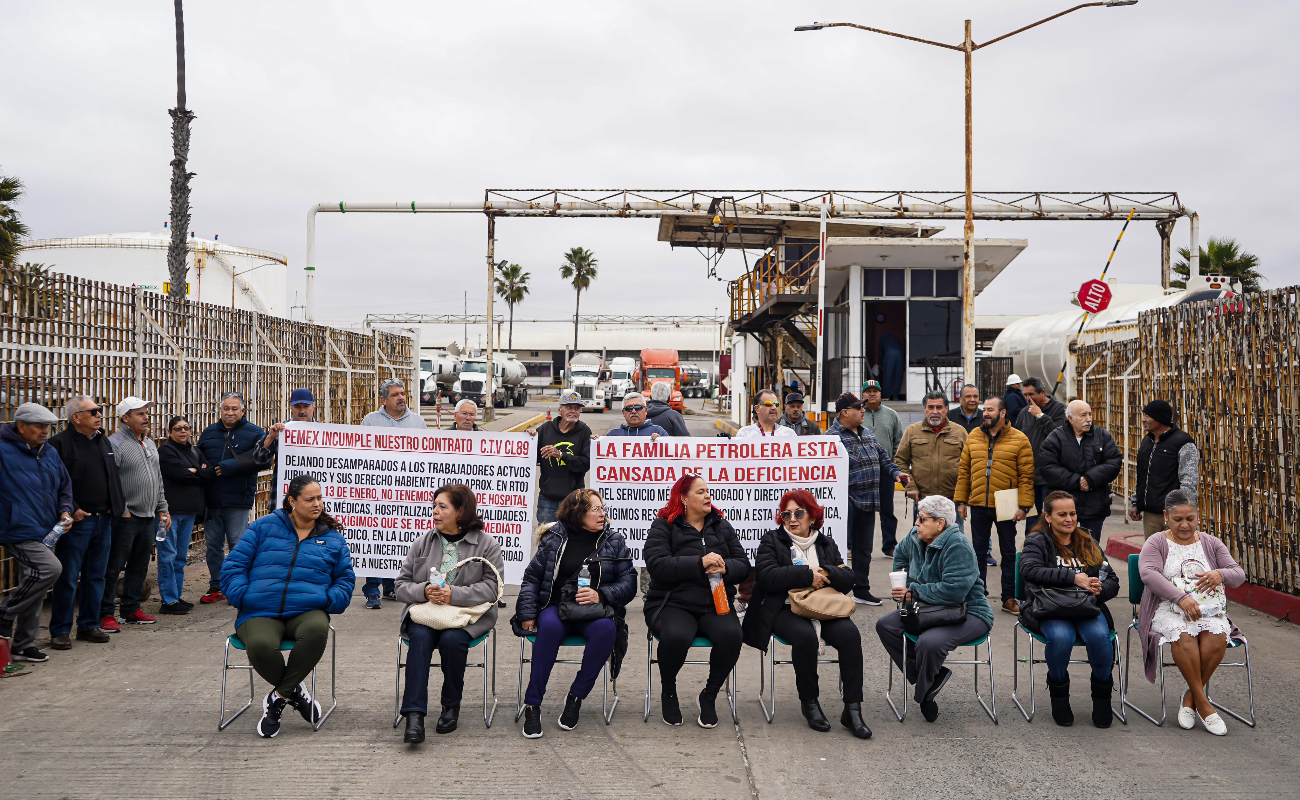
(289, 572)
(580, 536)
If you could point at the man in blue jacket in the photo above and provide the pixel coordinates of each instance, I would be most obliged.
(35, 494)
(237, 448)
(634, 414)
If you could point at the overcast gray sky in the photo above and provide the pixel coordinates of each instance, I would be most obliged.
(305, 102)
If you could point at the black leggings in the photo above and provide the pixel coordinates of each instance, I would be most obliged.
(841, 634)
(678, 628)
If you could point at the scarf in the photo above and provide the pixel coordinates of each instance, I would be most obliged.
(805, 547)
(450, 549)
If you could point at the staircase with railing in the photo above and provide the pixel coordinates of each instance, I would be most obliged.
(777, 302)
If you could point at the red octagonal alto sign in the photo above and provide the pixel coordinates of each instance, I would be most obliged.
(1094, 296)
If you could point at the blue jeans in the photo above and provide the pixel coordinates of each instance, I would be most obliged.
(546, 509)
(371, 587)
(1060, 635)
(83, 552)
(452, 645)
(222, 529)
(172, 553)
(551, 630)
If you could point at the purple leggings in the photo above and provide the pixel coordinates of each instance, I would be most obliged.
(546, 648)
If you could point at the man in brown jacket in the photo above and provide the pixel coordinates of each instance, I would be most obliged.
(996, 457)
(930, 451)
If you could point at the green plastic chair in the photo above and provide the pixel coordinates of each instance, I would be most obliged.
(233, 642)
(489, 712)
(1034, 637)
(1135, 591)
(607, 710)
(733, 684)
(975, 661)
(767, 664)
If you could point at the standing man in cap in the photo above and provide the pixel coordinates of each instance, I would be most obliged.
(884, 424)
(464, 417)
(146, 512)
(1014, 399)
(869, 464)
(302, 408)
(1167, 460)
(97, 502)
(393, 412)
(795, 419)
(563, 455)
(35, 495)
(968, 413)
(767, 409)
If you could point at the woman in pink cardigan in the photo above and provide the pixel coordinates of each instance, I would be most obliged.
(1194, 623)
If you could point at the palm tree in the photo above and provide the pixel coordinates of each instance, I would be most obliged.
(579, 269)
(11, 226)
(512, 285)
(1221, 257)
(180, 189)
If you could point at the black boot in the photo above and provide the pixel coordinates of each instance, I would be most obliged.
(672, 711)
(1102, 715)
(1060, 694)
(812, 711)
(852, 719)
(414, 728)
(449, 719)
(708, 708)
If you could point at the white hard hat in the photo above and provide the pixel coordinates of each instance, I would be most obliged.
(1013, 379)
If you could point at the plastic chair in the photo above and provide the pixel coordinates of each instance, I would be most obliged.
(233, 641)
(732, 685)
(607, 710)
(488, 712)
(1135, 590)
(767, 662)
(1034, 637)
(975, 662)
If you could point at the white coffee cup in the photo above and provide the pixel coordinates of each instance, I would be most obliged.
(898, 580)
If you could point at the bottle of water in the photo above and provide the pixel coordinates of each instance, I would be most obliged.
(797, 556)
(161, 534)
(52, 538)
(436, 579)
(584, 577)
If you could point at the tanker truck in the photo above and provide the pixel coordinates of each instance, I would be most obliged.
(583, 377)
(660, 365)
(439, 370)
(507, 380)
(624, 374)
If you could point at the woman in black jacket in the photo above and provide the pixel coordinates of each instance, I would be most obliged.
(687, 544)
(183, 475)
(795, 556)
(579, 537)
(1060, 554)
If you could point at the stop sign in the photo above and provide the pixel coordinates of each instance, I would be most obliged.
(1094, 296)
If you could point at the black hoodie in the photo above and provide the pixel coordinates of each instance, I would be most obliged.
(559, 476)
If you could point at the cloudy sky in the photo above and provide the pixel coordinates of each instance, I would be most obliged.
(299, 103)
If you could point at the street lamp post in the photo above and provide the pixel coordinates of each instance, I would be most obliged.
(967, 48)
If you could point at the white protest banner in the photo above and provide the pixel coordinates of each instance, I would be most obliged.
(746, 479)
(379, 483)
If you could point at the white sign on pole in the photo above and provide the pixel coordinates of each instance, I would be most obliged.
(380, 482)
(746, 478)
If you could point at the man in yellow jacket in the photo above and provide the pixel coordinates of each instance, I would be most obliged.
(996, 457)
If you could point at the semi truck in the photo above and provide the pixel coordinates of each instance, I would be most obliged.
(439, 370)
(507, 380)
(583, 376)
(624, 377)
(660, 365)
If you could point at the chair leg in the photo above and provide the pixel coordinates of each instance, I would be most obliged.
(733, 689)
(1124, 685)
(222, 722)
(397, 688)
(608, 712)
(519, 687)
(992, 712)
(765, 685)
(1117, 674)
(334, 695)
(1250, 690)
(889, 687)
(1015, 673)
(649, 664)
(489, 714)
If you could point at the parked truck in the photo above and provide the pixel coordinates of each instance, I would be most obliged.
(439, 370)
(507, 380)
(584, 376)
(624, 377)
(660, 365)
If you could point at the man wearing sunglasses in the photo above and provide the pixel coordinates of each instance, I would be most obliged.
(767, 410)
(634, 419)
(97, 501)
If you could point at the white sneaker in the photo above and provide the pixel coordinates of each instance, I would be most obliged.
(1214, 724)
(1186, 714)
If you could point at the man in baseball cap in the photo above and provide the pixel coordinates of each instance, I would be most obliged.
(302, 406)
(133, 536)
(563, 456)
(795, 419)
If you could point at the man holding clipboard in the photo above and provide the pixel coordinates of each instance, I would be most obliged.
(997, 458)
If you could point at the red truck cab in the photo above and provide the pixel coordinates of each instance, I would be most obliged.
(661, 365)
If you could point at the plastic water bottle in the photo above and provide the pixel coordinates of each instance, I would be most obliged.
(797, 556)
(161, 534)
(584, 577)
(436, 579)
(52, 538)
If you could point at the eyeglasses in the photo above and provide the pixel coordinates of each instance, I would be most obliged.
(798, 513)
(634, 409)
(94, 412)
(769, 403)
(181, 428)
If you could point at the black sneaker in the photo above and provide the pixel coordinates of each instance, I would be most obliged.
(30, 654)
(186, 605)
(532, 722)
(708, 714)
(572, 708)
(867, 599)
(272, 708)
(173, 608)
(389, 596)
(306, 705)
(671, 710)
(6, 628)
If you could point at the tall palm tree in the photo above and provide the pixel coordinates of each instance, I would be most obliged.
(579, 268)
(1221, 257)
(11, 225)
(512, 286)
(180, 189)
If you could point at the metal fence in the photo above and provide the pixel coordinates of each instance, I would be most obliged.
(1231, 370)
(62, 336)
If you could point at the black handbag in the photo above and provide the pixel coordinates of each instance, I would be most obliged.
(570, 610)
(918, 616)
(1058, 602)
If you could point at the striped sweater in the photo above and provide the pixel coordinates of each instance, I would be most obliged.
(137, 464)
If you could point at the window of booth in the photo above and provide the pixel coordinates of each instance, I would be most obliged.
(934, 330)
(881, 283)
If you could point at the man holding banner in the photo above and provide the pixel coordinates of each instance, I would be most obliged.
(393, 412)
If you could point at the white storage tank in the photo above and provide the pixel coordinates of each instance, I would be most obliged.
(140, 259)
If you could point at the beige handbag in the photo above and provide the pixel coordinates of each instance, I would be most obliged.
(822, 604)
(441, 616)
